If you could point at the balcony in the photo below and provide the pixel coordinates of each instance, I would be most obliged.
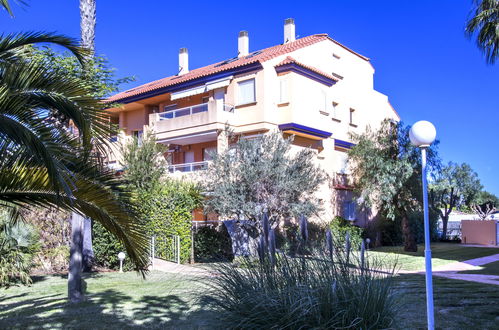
(194, 119)
(187, 111)
(188, 167)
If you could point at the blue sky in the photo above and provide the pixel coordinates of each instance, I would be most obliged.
(422, 59)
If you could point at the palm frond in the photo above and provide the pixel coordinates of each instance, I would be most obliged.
(98, 195)
(484, 23)
(14, 44)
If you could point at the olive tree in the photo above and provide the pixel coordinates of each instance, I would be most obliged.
(260, 175)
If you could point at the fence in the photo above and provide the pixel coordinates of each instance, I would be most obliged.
(165, 248)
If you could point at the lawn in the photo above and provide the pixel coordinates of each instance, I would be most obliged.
(115, 301)
(120, 301)
(442, 253)
(172, 301)
(458, 304)
(487, 269)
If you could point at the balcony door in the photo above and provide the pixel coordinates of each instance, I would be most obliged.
(189, 157)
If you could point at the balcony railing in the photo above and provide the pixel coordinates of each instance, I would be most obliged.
(188, 167)
(203, 107)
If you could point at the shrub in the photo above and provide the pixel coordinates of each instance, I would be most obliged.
(314, 292)
(54, 230)
(106, 248)
(391, 232)
(340, 227)
(18, 245)
(212, 244)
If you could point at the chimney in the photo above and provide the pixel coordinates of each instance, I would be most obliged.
(243, 44)
(289, 30)
(183, 61)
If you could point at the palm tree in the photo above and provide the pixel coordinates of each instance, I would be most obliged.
(87, 28)
(485, 24)
(42, 162)
(87, 24)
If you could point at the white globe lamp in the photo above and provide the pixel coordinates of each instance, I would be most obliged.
(422, 135)
(121, 256)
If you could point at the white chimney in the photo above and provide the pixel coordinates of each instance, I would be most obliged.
(289, 30)
(183, 61)
(243, 44)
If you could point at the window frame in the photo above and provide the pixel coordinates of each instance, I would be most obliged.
(239, 102)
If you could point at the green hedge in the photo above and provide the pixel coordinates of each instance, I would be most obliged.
(165, 210)
(340, 227)
(391, 230)
(212, 243)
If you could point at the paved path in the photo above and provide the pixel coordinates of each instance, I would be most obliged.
(451, 270)
(171, 267)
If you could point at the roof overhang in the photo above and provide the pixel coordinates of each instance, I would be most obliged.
(306, 72)
(305, 131)
(205, 80)
(343, 145)
(191, 138)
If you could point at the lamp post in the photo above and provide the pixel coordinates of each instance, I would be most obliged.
(422, 135)
(121, 256)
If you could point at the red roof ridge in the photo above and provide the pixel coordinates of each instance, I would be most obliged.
(263, 55)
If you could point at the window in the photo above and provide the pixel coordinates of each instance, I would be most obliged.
(352, 111)
(283, 91)
(335, 112)
(138, 135)
(349, 210)
(325, 106)
(247, 91)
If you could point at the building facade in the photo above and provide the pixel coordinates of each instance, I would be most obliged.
(313, 88)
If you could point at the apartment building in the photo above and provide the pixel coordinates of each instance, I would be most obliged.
(313, 88)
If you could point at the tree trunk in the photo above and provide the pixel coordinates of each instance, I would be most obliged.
(88, 20)
(445, 221)
(88, 251)
(75, 289)
(410, 244)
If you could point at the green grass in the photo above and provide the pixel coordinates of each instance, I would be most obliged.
(442, 253)
(487, 269)
(114, 301)
(121, 301)
(458, 304)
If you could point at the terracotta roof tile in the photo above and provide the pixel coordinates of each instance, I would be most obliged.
(258, 56)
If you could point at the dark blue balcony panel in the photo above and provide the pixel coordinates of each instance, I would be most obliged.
(305, 131)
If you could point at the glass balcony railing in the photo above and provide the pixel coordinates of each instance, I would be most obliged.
(188, 167)
(170, 114)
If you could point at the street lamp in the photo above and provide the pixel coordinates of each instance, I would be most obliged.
(422, 135)
(121, 256)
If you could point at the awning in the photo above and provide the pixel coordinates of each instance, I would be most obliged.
(219, 83)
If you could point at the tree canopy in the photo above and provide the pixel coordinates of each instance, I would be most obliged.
(260, 175)
(387, 173)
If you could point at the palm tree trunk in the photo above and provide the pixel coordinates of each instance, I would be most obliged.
(75, 291)
(87, 27)
(81, 228)
(87, 24)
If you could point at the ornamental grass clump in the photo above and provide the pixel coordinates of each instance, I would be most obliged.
(318, 290)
